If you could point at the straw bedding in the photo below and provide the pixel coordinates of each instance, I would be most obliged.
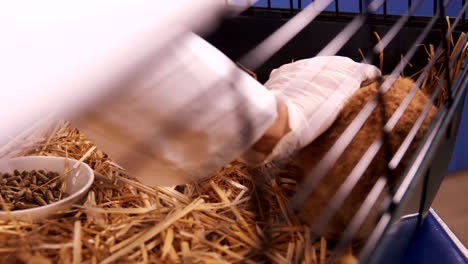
(214, 221)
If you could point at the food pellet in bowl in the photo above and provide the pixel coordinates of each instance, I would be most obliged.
(29, 189)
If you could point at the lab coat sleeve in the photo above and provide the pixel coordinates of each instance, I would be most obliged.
(164, 104)
(190, 112)
(57, 56)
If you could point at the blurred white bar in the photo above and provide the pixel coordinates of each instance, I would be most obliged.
(63, 55)
(241, 3)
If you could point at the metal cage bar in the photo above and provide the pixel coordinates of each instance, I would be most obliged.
(274, 42)
(373, 149)
(337, 8)
(464, 13)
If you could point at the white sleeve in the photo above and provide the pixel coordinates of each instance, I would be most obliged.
(192, 112)
(86, 57)
(57, 55)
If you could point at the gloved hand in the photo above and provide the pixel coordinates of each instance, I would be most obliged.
(314, 91)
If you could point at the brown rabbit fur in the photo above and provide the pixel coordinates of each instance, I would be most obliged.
(311, 155)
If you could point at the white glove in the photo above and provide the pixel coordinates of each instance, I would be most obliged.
(314, 90)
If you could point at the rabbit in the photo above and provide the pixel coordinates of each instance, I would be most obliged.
(307, 158)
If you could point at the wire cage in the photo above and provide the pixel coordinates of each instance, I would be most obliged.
(262, 37)
(270, 34)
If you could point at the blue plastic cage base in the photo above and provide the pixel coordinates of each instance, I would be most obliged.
(434, 242)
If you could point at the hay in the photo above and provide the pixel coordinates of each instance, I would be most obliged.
(229, 218)
(457, 52)
(214, 221)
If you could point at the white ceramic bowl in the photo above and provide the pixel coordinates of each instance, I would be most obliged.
(78, 182)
